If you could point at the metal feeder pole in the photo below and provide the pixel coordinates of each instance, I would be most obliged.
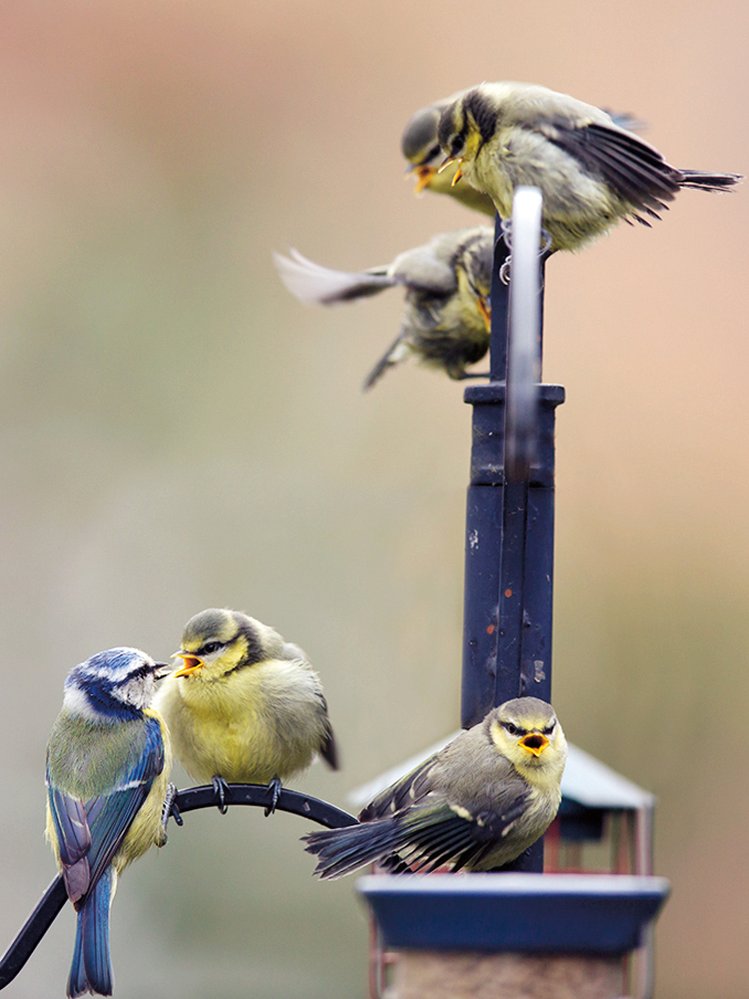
(510, 507)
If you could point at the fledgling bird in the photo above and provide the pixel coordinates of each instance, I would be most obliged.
(420, 146)
(477, 804)
(592, 172)
(108, 760)
(446, 319)
(245, 705)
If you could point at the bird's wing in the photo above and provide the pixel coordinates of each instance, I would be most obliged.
(89, 833)
(448, 833)
(635, 170)
(418, 839)
(313, 283)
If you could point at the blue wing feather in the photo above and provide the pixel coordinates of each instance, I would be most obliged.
(91, 832)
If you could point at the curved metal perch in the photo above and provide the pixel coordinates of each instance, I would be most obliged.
(54, 898)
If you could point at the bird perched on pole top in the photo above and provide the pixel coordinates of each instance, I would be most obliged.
(477, 804)
(245, 705)
(446, 320)
(420, 146)
(592, 173)
(108, 759)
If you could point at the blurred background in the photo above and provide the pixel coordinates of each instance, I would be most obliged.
(178, 432)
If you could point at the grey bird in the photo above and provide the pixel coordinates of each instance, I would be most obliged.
(592, 172)
(446, 320)
(475, 805)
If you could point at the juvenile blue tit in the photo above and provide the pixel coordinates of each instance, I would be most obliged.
(446, 320)
(245, 705)
(108, 760)
(592, 172)
(420, 146)
(477, 804)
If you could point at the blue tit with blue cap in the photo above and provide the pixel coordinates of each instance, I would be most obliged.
(108, 760)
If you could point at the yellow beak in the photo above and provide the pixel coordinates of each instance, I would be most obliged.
(448, 161)
(534, 742)
(424, 176)
(485, 313)
(192, 663)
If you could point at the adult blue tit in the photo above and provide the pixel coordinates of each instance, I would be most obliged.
(477, 804)
(245, 705)
(108, 761)
(420, 146)
(592, 172)
(446, 320)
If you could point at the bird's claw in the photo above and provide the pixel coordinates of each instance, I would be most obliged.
(169, 807)
(274, 789)
(221, 789)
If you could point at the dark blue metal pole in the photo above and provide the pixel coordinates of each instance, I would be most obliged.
(509, 545)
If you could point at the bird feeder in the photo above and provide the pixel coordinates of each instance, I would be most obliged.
(525, 933)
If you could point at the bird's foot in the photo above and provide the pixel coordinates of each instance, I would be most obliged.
(221, 790)
(274, 789)
(169, 807)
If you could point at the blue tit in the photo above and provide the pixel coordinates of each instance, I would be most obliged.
(477, 804)
(420, 146)
(245, 706)
(591, 171)
(108, 760)
(446, 320)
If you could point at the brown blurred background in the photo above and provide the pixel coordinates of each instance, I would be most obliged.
(178, 432)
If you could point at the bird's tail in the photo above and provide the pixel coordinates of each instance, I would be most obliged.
(709, 181)
(91, 970)
(397, 351)
(341, 851)
(314, 284)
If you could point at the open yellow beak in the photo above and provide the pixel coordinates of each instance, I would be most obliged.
(448, 161)
(192, 663)
(534, 742)
(424, 176)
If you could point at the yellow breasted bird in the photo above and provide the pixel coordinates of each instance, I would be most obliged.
(420, 146)
(245, 706)
(592, 172)
(477, 804)
(108, 760)
(446, 320)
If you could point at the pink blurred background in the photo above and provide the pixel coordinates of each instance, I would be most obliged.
(178, 432)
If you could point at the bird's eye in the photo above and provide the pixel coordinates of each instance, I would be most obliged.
(210, 647)
(512, 729)
(549, 728)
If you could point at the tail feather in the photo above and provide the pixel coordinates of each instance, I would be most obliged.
(341, 851)
(314, 284)
(91, 968)
(397, 351)
(709, 181)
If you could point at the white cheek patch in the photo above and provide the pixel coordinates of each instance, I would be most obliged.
(77, 703)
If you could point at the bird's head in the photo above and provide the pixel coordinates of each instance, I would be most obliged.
(464, 126)
(474, 267)
(217, 641)
(526, 731)
(113, 685)
(419, 144)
